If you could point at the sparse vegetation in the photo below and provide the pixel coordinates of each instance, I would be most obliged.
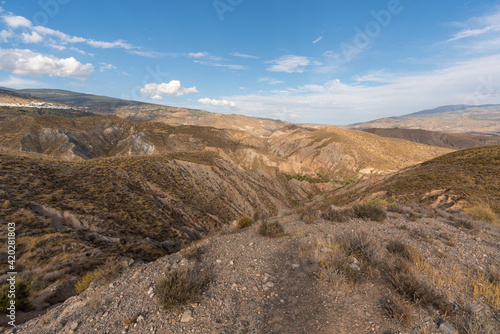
(379, 201)
(179, 286)
(370, 211)
(272, 230)
(482, 211)
(23, 287)
(245, 222)
(399, 208)
(396, 309)
(84, 282)
(335, 215)
(402, 250)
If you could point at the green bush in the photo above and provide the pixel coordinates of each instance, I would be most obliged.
(23, 287)
(244, 222)
(370, 211)
(179, 286)
(272, 230)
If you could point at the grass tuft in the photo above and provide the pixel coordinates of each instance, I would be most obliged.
(245, 222)
(370, 211)
(179, 286)
(396, 309)
(272, 230)
(84, 282)
(482, 211)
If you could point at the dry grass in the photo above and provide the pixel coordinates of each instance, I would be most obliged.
(335, 215)
(396, 309)
(482, 211)
(370, 211)
(399, 208)
(85, 281)
(272, 230)
(179, 286)
(402, 250)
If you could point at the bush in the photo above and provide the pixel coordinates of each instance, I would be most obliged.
(399, 208)
(335, 215)
(359, 244)
(406, 252)
(370, 211)
(244, 222)
(408, 286)
(379, 201)
(482, 211)
(396, 309)
(272, 230)
(84, 282)
(179, 286)
(6, 204)
(23, 288)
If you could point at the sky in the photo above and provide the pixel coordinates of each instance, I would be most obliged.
(322, 61)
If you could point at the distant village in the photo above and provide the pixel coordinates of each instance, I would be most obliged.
(35, 104)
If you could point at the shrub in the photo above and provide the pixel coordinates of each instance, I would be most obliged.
(23, 288)
(6, 204)
(370, 211)
(359, 244)
(396, 309)
(84, 282)
(379, 201)
(464, 222)
(110, 269)
(482, 211)
(406, 252)
(399, 208)
(179, 286)
(23, 216)
(408, 286)
(334, 215)
(244, 222)
(272, 230)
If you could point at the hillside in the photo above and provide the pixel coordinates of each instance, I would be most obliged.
(455, 141)
(456, 119)
(337, 154)
(140, 111)
(457, 180)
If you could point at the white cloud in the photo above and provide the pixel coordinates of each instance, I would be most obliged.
(33, 37)
(28, 63)
(197, 54)
(105, 67)
(476, 81)
(109, 45)
(270, 81)
(5, 35)
(16, 21)
(157, 97)
(172, 88)
(216, 64)
(242, 55)
(16, 82)
(487, 26)
(289, 64)
(217, 103)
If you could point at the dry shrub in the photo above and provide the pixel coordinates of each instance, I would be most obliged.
(179, 286)
(335, 215)
(413, 289)
(23, 216)
(464, 222)
(272, 230)
(23, 287)
(84, 282)
(245, 222)
(111, 268)
(370, 211)
(194, 253)
(396, 309)
(402, 250)
(482, 211)
(360, 245)
(399, 208)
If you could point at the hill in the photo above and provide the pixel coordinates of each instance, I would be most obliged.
(456, 141)
(139, 111)
(457, 180)
(457, 119)
(334, 153)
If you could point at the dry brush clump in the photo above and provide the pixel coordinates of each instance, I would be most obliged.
(338, 215)
(272, 230)
(179, 286)
(244, 222)
(482, 211)
(370, 211)
(396, 309)
(402, 250)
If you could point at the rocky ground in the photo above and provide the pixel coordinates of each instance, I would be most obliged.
(259, 284)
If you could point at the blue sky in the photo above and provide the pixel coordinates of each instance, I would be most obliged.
(333, 62)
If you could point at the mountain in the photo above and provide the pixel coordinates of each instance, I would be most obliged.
(456, 141)
(457, 119)
(140, 111)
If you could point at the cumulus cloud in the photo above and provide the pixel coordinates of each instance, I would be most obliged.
(16, 21)
(28, 63)
(217, 103)
(172, 88)
(289, 64)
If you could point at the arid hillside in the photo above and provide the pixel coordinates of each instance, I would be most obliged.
(467, 119)
(455, 141)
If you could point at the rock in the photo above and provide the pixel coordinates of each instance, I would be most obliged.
(187, 316)
(139, 318)
(151, 290)
(268, 286)
(354, 266)
(326, 250)
(234, 286)
(295, 266)
(446, 327)
(74, 326)
(352, 259)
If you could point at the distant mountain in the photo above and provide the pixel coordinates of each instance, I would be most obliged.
(140, 111)
(456, 141)
(483, 119)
